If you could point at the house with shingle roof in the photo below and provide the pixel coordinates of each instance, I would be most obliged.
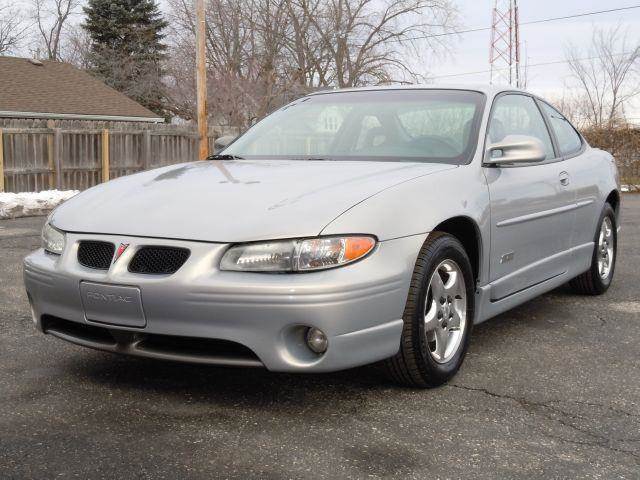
(41, 89)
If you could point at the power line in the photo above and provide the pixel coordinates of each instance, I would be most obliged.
(577, 15)
(542, 64)
(531, 22)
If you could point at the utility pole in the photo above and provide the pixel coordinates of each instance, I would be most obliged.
(201, 81)
(504, 57)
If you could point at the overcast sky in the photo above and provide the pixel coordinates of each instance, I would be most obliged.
(544, 42)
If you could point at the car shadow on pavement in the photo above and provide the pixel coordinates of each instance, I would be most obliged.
(250, 387)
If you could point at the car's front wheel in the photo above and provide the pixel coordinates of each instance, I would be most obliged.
(438, 316)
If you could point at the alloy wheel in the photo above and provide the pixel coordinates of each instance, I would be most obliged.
(605, 248)
(445, 315)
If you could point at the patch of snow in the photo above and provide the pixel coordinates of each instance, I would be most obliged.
(27, 204)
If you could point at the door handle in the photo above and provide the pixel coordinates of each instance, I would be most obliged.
(564, 178)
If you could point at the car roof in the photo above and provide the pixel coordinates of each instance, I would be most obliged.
(489, 90)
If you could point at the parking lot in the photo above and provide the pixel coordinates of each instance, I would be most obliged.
(548, 390)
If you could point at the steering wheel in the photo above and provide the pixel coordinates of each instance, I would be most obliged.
(438, 143)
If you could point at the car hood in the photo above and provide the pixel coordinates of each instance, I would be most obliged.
(232, 201)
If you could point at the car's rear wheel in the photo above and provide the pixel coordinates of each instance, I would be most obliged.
(597, 279)
(438, 315)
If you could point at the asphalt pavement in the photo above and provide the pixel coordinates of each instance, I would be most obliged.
(550, 390)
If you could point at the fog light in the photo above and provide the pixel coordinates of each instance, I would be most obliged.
(317, 340)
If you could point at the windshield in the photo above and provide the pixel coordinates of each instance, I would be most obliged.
(387, 125)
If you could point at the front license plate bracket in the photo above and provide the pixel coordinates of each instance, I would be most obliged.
(119, 305)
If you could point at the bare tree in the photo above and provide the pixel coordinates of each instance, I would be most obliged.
(607, 75)
(51, 17)
(76, 48)
(369, 40)
(305, 44)
(12, 28)
(572, 104)
(263, 53)
(249, 69)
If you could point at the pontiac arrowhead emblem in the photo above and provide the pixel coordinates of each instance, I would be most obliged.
(120, 251)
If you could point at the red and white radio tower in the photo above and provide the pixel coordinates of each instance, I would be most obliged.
(505, 44)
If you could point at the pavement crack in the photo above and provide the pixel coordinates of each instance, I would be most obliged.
(606, 445)
(485, 391)
(548, 403)
(563, 417)
(607, 407)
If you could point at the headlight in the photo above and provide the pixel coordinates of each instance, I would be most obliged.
(296, 255)
(52, 239)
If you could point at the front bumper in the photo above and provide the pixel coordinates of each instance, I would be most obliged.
(359, 306)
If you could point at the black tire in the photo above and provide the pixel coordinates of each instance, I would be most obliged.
(590, 282)
(413, 365)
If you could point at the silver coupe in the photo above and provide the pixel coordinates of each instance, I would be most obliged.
(348, 227)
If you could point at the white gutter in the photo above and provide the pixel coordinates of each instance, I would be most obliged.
(77, 116)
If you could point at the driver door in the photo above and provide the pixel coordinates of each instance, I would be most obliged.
(531, 221)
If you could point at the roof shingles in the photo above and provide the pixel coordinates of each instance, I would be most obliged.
(60, 88)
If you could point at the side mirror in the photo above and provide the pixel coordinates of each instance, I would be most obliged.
(515, 149)
(223, 142)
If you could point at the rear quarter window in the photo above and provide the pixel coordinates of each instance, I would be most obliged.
(569, 140)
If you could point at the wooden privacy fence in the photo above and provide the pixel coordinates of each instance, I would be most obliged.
(35, 159)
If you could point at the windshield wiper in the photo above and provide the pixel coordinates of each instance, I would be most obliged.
(225, 156)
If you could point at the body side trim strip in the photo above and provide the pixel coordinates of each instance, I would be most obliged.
(545, 213)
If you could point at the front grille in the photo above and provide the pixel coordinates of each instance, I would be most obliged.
(158, 260)
(94, 254)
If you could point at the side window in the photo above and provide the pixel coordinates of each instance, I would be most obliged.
(569, 141)
(519, 115)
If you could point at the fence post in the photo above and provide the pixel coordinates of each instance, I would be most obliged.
(105, 155)
(50, 155)
(1, 162)
(57, 157)
(146, 149)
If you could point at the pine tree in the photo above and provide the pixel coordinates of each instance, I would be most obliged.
(127, 49)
